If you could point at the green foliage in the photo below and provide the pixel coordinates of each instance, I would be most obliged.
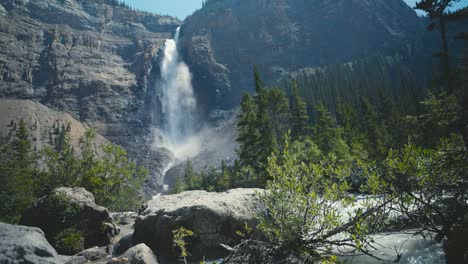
(441, 116)
(328, 135)
(193, 181)
(17, 173)
(211, 180)
(373, 130)
(430, 184)
(300, 117)
(61, 163)
(305, 201)
(114, 180)
(246, 232)
(120, 180)
(69, 242)
(247, 130)
(66, 212)
(179, 186)
(403, 77)
(179, 241)
(263, 120)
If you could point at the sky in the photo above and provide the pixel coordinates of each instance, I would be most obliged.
(177, 8)
(183, 8)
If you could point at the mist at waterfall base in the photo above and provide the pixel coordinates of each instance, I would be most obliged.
(178, 133)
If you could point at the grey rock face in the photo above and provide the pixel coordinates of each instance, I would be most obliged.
(213, 217)
(95, 253)
(21, 244)
(89, 58)
(74, 208)
(95, 60)
(2, 10)
(139, 254)
(282, 35)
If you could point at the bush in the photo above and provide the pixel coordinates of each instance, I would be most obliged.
(69, 242)
(113, 179)
(26, 175)
(306, 200)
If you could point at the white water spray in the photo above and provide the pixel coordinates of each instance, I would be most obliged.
(178, 103)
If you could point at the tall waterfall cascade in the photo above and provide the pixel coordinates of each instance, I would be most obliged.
(178, 103)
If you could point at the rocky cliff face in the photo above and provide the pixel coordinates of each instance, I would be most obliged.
(222, 41)
(92, 59)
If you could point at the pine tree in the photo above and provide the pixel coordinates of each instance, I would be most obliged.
(278, 110)
(178, 187)
(248, 131)
(259, 87)
(192, 180)
(325, 130)
(61, 163)
(17, 174)
(22, 145)
(438, 10)
(224, 182)
(329, 136)
(373, 129)
(300, 117)
(391, 117)
(267, 142)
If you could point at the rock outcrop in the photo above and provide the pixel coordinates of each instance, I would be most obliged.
(94, 253)
(71, 213)
(90, 58)
(214, 219)
(139, 254)
(223, 40)
(22, 244)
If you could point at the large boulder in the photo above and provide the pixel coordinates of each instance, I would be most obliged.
(139, 254)
(22, 244)
(214, 219)
(71, 220)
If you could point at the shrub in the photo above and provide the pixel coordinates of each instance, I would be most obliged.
(69, 242)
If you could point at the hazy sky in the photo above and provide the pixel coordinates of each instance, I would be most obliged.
(183, 8)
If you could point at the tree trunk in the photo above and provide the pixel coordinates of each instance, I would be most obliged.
(446, 70)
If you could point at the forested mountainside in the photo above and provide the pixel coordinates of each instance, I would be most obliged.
(225, 38)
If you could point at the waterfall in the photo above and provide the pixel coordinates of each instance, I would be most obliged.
(178, 102)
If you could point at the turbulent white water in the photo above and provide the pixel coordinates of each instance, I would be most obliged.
(178, 103)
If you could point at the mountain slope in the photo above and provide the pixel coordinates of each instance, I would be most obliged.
(41, 122)
(93, 59)
(224, 39)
